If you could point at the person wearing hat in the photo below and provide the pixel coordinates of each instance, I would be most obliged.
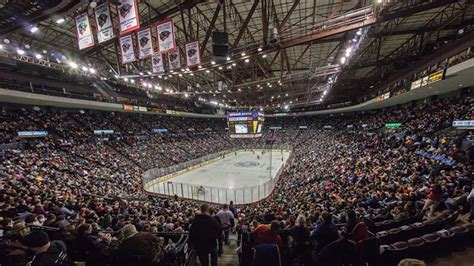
(45, 252)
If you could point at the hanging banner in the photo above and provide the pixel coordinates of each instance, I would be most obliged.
(193, 57)
(145, 47)
(166, 41)
(128, 16)
(126, 47)
(84, 32)
(174, 60)
(157, 63)
(103, 22)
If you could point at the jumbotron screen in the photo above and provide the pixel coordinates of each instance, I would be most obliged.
(245, 124)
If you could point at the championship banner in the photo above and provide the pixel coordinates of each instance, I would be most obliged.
(103, 22)
(166, 41)
(145, 47)
(84, 32)
(128, 16)
(193, 57)
(157, 63)
(126, 47)
(174, 59)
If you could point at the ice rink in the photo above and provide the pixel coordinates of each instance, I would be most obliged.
(243, 177)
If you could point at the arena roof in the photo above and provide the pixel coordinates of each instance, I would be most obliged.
(377, 39)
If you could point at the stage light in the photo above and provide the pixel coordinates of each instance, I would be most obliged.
(259, 49)
(38, 56)
(1, 46)
(141, 73)
(199, 66)
(264, 56)
(186, 95)
(343, 60)
(247, 60)
(228, 58)
(213, 62)
(208, 71)
(125, 79)
(60, 21)
(243, 54)
(92, 70)
(149, 73)
(132, 81)
(234, 64)
(84, 68)
(72, 65)
(6, 41)
(348, 51)
(34, 29)
(220, 68)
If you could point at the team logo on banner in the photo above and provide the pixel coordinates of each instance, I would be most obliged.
(166, 41)
(103, 21)
(128, 16)
(144, 43)
(193, 57)
(157, 63)
(174, 59)
(126, 46)
(84, 32)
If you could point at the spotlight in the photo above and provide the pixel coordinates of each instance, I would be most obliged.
(199, 66)
(6, 41)
(186, 95)
(141, 73)
(228, 58)
(247, 60)
(132, 81)
(259, 49)
(20, 52)
(220, 68)
(33, 29)
(343, 60)
(234, 64)
(243, 54)
(208, 71)
(264, 56)
(72, 65)
(60, 21)
(38, 56)
(213, 62)
(125, 79)
(92, 70)
(84, 69)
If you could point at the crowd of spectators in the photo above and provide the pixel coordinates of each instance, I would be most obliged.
(87, 188)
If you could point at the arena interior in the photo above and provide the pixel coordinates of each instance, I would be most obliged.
(237, 132)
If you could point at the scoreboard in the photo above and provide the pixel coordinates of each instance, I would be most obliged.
(245, 124)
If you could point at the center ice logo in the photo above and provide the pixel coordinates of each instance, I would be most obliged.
(247, 164)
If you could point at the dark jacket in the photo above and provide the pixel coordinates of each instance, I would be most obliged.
(55, 255)
(204, 233)
(140, 249)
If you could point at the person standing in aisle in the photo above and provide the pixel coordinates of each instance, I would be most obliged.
(203, 236)
(227, 221)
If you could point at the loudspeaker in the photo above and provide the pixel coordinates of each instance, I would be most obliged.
(220, 38)
(220, 44)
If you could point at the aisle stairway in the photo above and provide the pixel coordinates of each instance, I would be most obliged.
(229, 257)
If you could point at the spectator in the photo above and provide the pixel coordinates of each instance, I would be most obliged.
(46, 253)
(325, 232)
(137, 248)
(203, 236)
(227, 221)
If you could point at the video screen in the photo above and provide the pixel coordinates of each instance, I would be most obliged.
(241, 129)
